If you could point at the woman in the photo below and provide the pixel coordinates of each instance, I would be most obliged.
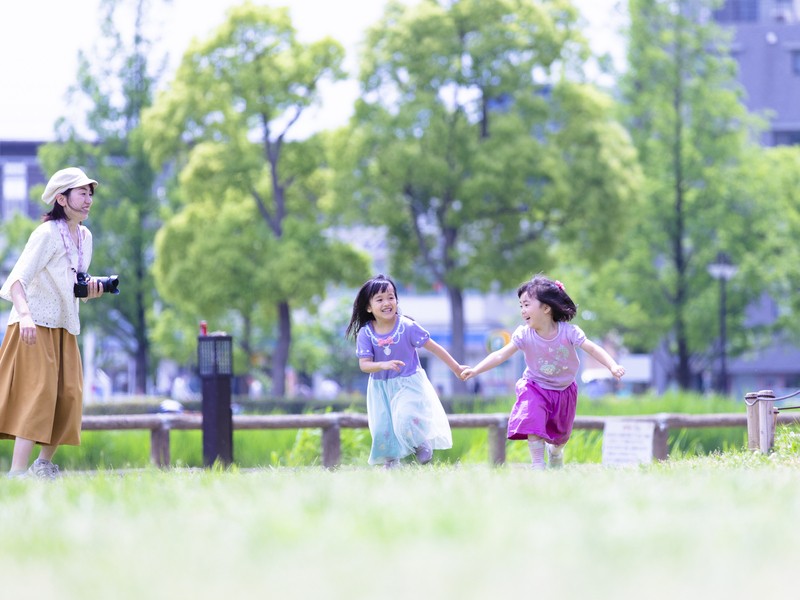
(41, 377)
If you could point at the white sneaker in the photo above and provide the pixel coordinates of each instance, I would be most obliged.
(43, 469)
(424, 453)
(555, 456)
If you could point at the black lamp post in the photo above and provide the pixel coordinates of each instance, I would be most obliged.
(723, 270)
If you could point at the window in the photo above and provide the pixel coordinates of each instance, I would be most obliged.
(15, 188)
(738, 11)
(786, 138)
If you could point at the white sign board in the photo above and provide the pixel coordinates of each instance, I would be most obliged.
(627, 442)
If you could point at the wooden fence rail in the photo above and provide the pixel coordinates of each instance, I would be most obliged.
(331, 425)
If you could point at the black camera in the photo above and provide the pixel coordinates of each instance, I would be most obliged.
(81, 289)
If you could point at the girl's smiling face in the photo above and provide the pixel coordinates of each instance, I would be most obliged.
(535, 314)
(383, 305)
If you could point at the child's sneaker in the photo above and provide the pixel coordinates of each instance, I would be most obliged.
(43, 469)
(392, 463)
(424, 453)
(555, 456)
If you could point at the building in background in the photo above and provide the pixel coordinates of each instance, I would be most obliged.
(766, 45)
(19, 172)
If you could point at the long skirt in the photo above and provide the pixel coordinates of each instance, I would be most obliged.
(403, 413)
(548, 414)
(41, 387)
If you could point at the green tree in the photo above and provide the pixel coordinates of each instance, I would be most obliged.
(116, 81)
(772, 266)
(479, 148)
(684, 110)
(224, 123)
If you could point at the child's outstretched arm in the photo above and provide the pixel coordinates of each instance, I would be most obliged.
(604, 358)
(367, 365)
(444, 356)
(494, 359)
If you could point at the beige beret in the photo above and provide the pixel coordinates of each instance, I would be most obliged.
(63, 180)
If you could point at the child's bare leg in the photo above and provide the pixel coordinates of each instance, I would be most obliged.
(536, 448)
(555, 455)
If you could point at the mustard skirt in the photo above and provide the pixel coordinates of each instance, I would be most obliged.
(41, 387)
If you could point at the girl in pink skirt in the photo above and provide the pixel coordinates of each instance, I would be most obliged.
(547, 393)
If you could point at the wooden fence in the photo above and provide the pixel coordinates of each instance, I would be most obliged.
(763, 416)
(331, 425)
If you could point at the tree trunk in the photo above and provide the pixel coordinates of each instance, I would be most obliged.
(281, 357)
(684, 374)
(458, 345)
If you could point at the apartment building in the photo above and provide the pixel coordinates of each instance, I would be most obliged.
(766, 46)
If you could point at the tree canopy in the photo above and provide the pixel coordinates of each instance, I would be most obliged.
(479, 148)
(249, 231)
(683, 108)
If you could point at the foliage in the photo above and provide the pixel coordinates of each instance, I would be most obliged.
(685, 113)
(15, 233)
(115, 80)
(483, 159)
(248, 229)
(774, 184)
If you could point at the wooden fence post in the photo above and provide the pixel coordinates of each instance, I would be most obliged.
(497, 442)
(159, 445)
(751, 402)
(331, 445)
(766, 420)
(661, 440)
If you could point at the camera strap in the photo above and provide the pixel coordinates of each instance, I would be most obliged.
(69, 244)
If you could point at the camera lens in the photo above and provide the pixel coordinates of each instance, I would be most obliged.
(110, 284)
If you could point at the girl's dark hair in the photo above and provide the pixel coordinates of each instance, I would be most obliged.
(57, 213)
(551, 293)
(360, 316)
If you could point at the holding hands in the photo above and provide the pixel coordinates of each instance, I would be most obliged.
(467, 373)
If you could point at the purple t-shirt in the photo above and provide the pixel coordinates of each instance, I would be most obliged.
(552, 363)
(400, 344)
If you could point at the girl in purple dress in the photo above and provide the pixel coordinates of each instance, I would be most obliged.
(404, 413)
(547, 393)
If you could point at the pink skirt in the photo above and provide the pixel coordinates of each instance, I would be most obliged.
(548, 414)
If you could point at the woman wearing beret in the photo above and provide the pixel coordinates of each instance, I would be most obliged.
(41, 377)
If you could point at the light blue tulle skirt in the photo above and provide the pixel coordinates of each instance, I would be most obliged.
(403, 413)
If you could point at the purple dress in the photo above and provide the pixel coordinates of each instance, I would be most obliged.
(547, 394)
(403, 409)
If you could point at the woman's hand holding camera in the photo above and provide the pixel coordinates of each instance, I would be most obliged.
(95, 288)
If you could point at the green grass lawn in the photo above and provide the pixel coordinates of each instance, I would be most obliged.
(718, 526)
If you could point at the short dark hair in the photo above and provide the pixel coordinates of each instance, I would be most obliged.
(551, 293)
(57, 213)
